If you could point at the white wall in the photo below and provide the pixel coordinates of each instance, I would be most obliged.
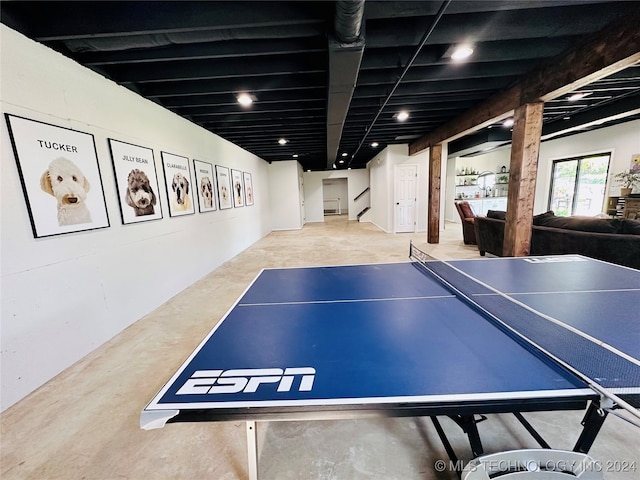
(381, 172)
(65, 295)
(623, 140)
(357, 181)
(285, 195)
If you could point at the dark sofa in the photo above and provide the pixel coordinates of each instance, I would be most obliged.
(610, 239)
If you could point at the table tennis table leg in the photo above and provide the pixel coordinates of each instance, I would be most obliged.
(469, 425)
(252, 450)
(592, 422)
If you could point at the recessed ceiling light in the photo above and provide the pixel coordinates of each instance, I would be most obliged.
(245, 99)
(340, 161)
(295, 155)
(375, 144)
(344, 154)
(508, 122)
(461, 52)
(283, 141)
(402, 116)
(578, 96)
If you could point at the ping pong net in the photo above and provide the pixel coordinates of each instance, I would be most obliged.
(611, 373)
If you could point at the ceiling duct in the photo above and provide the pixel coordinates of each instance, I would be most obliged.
(345, 54)
(348, 20)
(165, 39)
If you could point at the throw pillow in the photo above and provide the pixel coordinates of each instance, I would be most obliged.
(541, 218)
(497, 214)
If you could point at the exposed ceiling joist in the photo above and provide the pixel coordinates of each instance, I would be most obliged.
(194, 58)
(611, 50)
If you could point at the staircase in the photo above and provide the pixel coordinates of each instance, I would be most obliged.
(366, 209)
(363, 199)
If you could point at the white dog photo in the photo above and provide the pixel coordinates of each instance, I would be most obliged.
(64, 180)
(60, 177)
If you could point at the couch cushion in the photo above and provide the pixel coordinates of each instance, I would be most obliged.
(497, 214)
(580, 223)
(542, 216)
(630, 226)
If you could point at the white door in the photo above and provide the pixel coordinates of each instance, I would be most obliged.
(406, 177)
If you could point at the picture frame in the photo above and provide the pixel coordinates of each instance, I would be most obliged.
(634, 167)
(134, 168)
(237, 185)
(223, 181)
(60, 176)
(178, 183)
(205, 185)
(248, 189)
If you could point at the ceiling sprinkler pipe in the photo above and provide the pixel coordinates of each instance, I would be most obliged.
(425, 37)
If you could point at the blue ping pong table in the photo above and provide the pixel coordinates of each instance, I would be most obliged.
(461, 339)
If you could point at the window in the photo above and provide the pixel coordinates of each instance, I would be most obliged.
(578, 185)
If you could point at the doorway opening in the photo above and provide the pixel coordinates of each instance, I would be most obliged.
(335, 196)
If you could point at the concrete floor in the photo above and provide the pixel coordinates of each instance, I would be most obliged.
(83, 424)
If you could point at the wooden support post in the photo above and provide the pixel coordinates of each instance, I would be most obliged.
(525, 147)
(435, 174)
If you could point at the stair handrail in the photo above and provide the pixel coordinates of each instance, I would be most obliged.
(362, 193)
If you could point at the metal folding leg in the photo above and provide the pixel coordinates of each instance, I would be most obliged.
(252, 450)
(592, 422)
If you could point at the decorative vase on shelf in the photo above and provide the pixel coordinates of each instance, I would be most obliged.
(625, 192)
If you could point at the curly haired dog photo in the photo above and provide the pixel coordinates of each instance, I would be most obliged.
(181, 198)
(140, 195)
(238, 189)
(206, 192)
(64, 180)
(60, 176)
(224, 193)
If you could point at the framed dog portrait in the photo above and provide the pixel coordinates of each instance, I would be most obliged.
(177, 178)
(136, 180)
(204, 182)
(60, 177)
(223, 179)
(248, 189)
(237, 185)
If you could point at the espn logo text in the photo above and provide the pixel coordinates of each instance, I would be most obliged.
(211, 382)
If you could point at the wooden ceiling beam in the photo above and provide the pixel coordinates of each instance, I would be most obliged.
(614, 48)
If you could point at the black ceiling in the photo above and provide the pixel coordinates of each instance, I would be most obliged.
(300, 61)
